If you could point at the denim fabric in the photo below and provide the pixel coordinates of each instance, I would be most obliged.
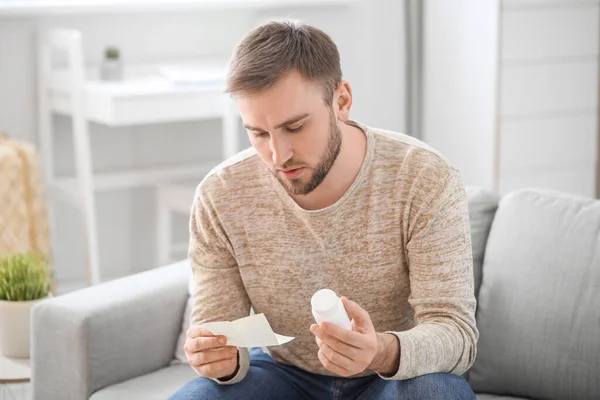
(268, 379)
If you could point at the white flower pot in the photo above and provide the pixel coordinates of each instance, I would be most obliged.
(15, 327)
(111, 70)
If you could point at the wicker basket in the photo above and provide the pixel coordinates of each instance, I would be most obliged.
(23, 210)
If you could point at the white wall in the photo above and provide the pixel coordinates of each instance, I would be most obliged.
(548, 110)
(511, 91)
(460, 48)
(369, 36)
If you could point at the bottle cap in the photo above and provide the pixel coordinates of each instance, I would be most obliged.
(324, 300)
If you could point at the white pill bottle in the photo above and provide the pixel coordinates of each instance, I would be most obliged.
(328, 307)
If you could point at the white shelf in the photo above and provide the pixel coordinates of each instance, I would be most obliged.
(14, 369)
(84, 7)
(137, 177)
(144, 96)
(147, 94)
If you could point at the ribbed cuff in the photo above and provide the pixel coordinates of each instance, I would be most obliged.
(244, 362)
(403, 365)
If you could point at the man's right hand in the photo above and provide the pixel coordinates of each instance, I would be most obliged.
(209, 355)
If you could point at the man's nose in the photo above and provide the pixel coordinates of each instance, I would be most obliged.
(281, 151)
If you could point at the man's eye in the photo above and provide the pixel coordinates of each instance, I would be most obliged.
(293, 130)
(260, 134)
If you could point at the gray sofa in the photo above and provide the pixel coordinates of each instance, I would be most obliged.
(537, 271)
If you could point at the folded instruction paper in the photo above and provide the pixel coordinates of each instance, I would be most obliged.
(252, 331)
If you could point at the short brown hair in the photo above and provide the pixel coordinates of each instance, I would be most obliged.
(272, 50)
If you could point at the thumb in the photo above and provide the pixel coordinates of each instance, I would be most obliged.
(362, 320)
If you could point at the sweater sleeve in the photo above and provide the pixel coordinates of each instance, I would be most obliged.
(219, 294)
(445, 336)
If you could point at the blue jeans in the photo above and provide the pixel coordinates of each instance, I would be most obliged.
(268, 379)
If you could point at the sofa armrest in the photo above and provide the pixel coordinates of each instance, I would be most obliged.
(95, 337)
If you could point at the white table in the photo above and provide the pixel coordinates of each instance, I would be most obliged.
(14, 372)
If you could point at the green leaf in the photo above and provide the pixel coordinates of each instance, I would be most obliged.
(24, 277)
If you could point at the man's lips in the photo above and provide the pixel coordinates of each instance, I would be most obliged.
(291, 172)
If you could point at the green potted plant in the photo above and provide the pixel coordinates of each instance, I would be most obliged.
(24, 281)
(112, 67)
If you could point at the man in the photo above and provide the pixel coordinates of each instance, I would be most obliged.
(321, 201)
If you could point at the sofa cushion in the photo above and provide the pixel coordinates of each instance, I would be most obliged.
(495, 397)
(180, 356)
(539, 304)
(157, 385)
(482, 206)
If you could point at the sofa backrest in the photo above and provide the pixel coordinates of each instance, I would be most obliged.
(539, 304)
(482, 206)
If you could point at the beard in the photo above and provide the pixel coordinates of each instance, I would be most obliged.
(332, 150)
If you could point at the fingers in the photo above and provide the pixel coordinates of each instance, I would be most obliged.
(331, 365)
(197, 330)
(199, 338)
(362, 320)
(218, 369)
(205, 343)
(327, 332)
(347, 352)
(339, 358)
(350, 352)
(201, 358)
(209, 354)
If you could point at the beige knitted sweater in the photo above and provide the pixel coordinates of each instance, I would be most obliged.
(397, 243)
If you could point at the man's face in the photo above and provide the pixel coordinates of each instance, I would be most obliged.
(294, 132)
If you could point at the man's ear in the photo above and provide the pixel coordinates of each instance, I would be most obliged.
(343, 100)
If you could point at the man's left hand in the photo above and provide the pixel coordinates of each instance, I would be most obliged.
(350, 352)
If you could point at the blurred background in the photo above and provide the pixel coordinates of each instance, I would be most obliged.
(506, 89)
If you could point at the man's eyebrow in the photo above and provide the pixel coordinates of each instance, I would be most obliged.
(281, 125)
